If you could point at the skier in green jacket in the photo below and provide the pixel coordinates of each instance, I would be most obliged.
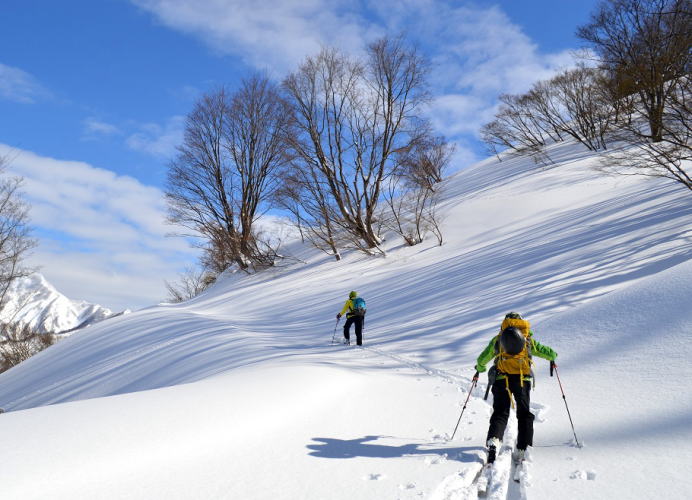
(512, 350)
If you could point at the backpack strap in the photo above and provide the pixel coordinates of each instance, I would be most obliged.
(511, 399)
(528, 354)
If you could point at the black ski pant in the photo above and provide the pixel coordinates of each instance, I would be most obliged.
(358, 321)
(501, 404)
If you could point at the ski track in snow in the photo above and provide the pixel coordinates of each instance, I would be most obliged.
(461, 484)
(435, 372)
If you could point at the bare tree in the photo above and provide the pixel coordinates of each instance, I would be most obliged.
(190, 283)
(517, 127)
(412, 191)
(638, 97)
(255, 140)
(574, 103)
(645, 45)
(587, 112)
(411, 210)
(543, 103)
(226, 170)
(19, 342)
(351, 116)
(668, 158)
(15, 232)
(305, 195)
(199, 179)
(498, 136)
(424, 162)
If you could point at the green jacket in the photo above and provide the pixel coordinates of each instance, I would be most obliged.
(535, 349)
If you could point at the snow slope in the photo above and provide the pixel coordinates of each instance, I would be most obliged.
(33, 301)
(239, 394)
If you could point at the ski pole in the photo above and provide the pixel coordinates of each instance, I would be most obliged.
(553, 367)
(473, 384)
(334, 335)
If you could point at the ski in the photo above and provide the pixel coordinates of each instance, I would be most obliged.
(498, 467)
(485, 475)
(518, 466)
(484, 478)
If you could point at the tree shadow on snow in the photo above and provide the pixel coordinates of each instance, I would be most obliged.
(366, 447)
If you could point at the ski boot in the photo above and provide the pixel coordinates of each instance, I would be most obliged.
(493, 445)
(518, 456)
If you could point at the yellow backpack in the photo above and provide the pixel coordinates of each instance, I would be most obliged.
(513, 355)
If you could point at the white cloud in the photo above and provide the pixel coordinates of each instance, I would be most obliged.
(158, 140)
(273, 35)
(477, 52)
(459, 114)
(102, 235)
(19, 86)
(94, 127)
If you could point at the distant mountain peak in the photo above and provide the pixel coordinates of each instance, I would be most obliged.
(35, 302)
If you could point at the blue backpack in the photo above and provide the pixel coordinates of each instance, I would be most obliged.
(358, 306)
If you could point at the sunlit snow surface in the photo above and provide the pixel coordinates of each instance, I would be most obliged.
(238, 394)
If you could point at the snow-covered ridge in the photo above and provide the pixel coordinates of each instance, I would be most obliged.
(33, 301)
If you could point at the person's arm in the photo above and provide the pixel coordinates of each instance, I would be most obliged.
(347, 306)
(486, 356)
(542, 351)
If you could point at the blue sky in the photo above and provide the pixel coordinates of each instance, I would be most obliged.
(93, 95)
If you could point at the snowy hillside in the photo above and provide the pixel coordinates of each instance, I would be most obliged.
(33, 301)
(239, 394)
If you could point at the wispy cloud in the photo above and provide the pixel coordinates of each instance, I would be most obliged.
(158, 140)
(97, 226)
(481, 55)
(480, 51)
(273, 35)
(19, 86)
(94, 127)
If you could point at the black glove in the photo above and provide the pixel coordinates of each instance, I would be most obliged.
(338, 316)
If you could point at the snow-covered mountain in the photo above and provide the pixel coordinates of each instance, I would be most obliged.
(33, 301)
(239, 393)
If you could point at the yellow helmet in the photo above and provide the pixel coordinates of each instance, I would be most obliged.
(352, 295)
